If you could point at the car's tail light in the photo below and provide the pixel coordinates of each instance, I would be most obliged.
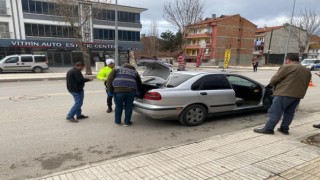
(152, 96)
(47, 62)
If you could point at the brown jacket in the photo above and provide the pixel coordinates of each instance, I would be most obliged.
(291, 80)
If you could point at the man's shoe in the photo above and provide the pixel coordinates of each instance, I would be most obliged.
(128, 124)
(263, 131)
(117, 124)
(73, 120)
(109, 110)
(316, 126)
(82, 117)
(283, 131)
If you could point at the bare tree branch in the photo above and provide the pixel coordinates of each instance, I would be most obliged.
(306, 23)
(182, 13)
(80, 19)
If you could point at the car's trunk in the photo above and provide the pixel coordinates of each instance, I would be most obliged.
(154, 76)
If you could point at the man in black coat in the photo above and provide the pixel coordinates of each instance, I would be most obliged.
(75, 85)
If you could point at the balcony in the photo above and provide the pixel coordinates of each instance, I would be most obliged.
(202, 35)
(197, 46)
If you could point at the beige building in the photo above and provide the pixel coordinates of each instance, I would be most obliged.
(270, 43)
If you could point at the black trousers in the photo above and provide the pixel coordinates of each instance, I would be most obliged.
(109, 100)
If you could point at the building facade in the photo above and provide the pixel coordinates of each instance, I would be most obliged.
(270, 43)
(36, 27)
(215, 35)
(314, 47)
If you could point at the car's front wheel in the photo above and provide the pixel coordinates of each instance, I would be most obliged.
(193, 115)
(37, 70)
(1, 70)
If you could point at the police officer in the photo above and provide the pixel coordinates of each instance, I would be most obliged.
(103, 76)
(123, 83)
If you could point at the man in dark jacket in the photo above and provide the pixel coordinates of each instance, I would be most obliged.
(290, 86)
(75, 85)
(123, 84)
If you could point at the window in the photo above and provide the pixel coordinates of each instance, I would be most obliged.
(40, 59)
(32, 6)
(41, 30)
(212, 82)
(25, 6)
(25, 59)
(109, 15)
(109, 34)
(38, 7)
(3, 7)
(4, 30)
(35, 31)
(178, 79)
(235, 80)
(28, 29)
(54, 32)
(12, 60)
(47, 31)
(45, 8)
(96, 34)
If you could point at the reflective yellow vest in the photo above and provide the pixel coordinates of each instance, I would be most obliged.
(104, 73)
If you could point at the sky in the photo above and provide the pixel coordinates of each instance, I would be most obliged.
(260, 12)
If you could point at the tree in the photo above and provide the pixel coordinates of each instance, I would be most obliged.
(171, 42)
(78, 14)
(306, 24)
(182, 13)
(151, 41)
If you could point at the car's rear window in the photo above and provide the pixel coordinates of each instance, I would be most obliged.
(40, 59)
(177, 79)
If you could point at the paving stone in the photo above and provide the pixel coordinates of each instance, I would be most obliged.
(240, 155)
(254, 172)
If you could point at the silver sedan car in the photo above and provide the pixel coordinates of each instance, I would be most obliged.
(192, 96)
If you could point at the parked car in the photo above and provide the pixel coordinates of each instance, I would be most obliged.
(192, 96)
(312, 64)
(24, 62)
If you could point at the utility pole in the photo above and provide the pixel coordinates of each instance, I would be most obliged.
(116, 41)
(289, 35)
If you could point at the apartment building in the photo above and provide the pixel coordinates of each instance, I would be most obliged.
(270, 43)
(213, 35)
(35, 27)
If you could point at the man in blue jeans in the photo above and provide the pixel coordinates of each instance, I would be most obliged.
(75, 85)
(290, 86)
(123, 83)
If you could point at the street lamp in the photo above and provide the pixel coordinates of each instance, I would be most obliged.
(289, 35)
(116, 41)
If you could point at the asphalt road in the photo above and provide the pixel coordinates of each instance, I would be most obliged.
(36, 140)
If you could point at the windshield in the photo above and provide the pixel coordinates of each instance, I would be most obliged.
(177, 79)
(2, 59)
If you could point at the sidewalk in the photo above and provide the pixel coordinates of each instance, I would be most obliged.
(60, 73)
(16, 77)
(239, 155)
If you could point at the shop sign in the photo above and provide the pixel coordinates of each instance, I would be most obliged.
(50, 44)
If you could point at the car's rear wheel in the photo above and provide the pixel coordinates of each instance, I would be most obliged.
(37, 70)
(193, 115)
(1, 70)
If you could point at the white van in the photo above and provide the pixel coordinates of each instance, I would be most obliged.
(312, 64)
(24, 62)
